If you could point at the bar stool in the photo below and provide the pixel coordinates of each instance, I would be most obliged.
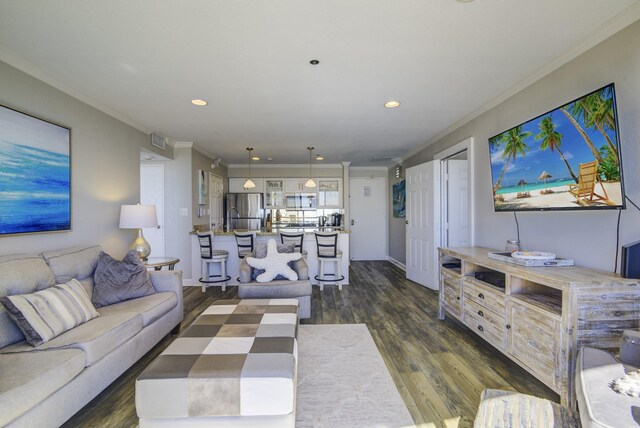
(208, 256)
(296, 239)
(328, 252)
(246, 242)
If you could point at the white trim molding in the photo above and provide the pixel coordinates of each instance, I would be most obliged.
(397, 263)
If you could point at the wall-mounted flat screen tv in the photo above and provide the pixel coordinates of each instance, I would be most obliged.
(566, 159)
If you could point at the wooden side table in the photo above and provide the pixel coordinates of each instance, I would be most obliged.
(158, 262)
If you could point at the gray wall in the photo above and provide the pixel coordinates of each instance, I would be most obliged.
(286, 171)
(105, 166)
(203, 162)
(587, 237)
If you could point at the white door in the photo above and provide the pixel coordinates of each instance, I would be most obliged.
(457, 204)
(368, 202)
(216, 192)
(423, 223)
(152, 193)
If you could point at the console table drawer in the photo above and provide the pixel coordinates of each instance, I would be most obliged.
(484, 297)
(479, 312)
(484, 328)
(451, 294)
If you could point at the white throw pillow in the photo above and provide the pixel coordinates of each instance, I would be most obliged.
(48, 313)
(274, 264)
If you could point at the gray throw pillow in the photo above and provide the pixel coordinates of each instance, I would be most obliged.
(261, 253)
(261, 249)
(116, 281)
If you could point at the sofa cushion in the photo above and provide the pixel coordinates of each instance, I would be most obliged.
(275, 289)
(20, 274)
(116, 281)
(599, 404)
(76, 262)
(96, 338)
(150, 308)
(30, 377)
(47, 313)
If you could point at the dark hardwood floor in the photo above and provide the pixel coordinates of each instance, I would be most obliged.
(439, 367)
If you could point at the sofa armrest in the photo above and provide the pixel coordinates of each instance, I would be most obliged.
(168, 281)
(302, 269)
(245, 271)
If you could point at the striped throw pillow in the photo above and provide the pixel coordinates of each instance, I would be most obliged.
(48, 313)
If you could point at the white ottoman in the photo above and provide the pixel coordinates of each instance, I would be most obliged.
(235, 366)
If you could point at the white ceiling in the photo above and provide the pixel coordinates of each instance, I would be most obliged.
(143, 60)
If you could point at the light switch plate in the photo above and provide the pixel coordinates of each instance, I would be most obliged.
(184, 211)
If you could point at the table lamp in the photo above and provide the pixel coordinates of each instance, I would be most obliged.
(139, 217)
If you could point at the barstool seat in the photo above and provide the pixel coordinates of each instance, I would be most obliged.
(328, 251)
(208, 256)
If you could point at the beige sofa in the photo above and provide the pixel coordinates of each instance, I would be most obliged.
(45, 385)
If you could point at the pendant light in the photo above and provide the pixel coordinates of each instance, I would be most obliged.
(249, 184)
(310, 182)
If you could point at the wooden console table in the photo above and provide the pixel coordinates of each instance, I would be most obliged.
(543, 315)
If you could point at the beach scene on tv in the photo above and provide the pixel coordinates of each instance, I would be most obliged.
(565, 159)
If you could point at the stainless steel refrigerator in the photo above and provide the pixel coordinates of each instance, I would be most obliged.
(244, 211)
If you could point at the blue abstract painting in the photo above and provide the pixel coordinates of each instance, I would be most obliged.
(35, 174)
(399, 200)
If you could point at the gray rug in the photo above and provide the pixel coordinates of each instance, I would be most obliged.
(343, 380)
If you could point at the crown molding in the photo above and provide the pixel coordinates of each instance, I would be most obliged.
(368, 168)
(600, 34)
(283, 165)
(31, 69)
(183, 145)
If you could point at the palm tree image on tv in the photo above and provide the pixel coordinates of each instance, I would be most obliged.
(568, 158)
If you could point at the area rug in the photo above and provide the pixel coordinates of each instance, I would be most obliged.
(343, 380)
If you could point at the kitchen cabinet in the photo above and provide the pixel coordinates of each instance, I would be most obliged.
(236, 185)
(296, 185)
(274, 193)
(538, 316)
(330, 193)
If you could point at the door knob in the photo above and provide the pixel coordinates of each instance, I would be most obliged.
(353, 222)
(406, 222)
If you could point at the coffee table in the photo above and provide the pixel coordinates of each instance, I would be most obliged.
(235, 365)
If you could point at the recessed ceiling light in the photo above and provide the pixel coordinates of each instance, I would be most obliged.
(197, 102)
(256, 158)
(392, 104)
(269, 159)
(314, 62)
(319, 157)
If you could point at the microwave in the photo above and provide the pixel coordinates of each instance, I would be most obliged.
(300, 201)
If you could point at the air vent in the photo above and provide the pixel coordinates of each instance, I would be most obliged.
(398, 171)
(158, 141)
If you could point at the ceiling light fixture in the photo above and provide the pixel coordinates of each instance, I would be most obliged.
(198, 102)
(319, 157)
(249, 184)
(255, 158)
(314, 62)
(392, 104)
(310, 182)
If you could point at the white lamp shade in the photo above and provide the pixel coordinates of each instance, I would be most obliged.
(310, 183)
(138, 216)
(249, 184)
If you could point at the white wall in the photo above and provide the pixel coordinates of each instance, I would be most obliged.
(587, 237)
(105, 166)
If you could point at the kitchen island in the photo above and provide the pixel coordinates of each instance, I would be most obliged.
(227, 241)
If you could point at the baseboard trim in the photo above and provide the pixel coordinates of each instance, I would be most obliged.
(397, 263)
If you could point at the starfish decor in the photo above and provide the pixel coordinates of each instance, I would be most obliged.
(274, 263)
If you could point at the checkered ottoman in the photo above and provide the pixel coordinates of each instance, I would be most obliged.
(237, 360)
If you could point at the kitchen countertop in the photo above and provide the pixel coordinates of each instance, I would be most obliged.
(275, 232)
